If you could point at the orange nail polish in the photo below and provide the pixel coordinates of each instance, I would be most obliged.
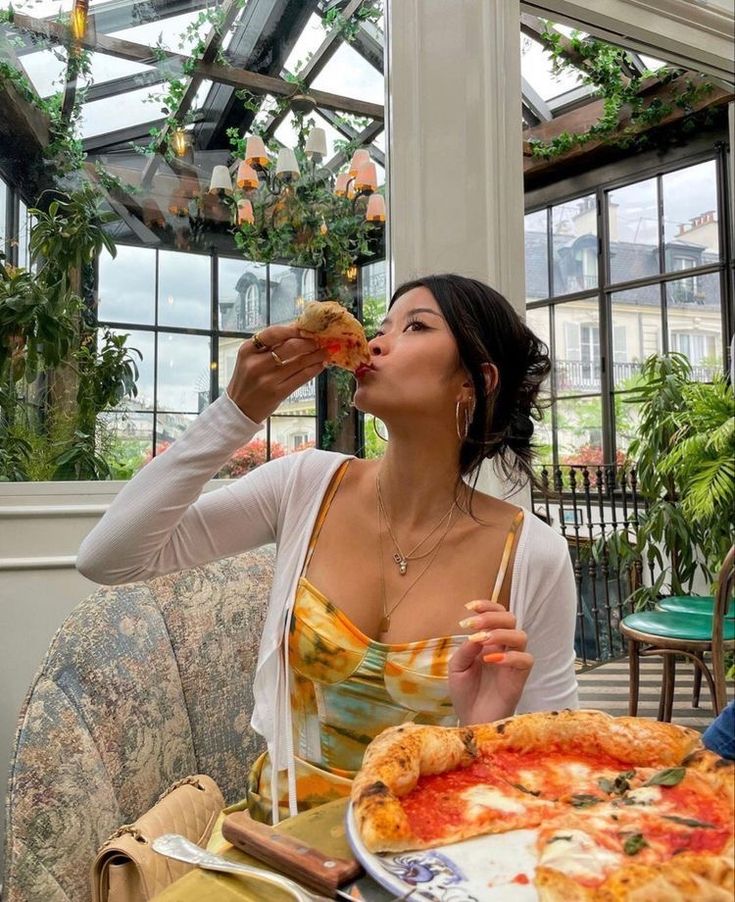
(494, 658)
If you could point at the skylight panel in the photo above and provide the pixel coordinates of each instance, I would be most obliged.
(114, 113)
(537, 69)
(348, 74)
(46, 70)
(309, 41)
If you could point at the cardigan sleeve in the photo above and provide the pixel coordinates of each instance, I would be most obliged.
(161, 522)
(549, 621)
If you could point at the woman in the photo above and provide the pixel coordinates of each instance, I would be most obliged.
(383, 567)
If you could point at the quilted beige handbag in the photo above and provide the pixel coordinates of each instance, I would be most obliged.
(127, 869)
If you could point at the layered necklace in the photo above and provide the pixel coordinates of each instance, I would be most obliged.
(399, 557)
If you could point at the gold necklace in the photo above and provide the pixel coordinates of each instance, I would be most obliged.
(387, 614)
(399, 557)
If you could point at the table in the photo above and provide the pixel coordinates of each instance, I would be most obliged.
(321, 827)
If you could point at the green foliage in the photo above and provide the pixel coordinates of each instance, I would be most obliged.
(604, 67)
(369, 11)
(684, 453)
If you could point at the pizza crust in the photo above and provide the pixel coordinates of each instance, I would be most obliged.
(335, 329)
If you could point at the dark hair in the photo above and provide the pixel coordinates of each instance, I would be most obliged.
(488, 330)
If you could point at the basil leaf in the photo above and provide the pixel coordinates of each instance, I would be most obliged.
(671, 776)
(584, 800)
(619, 785)
(687, 821)
(531, 792)
(634, 843)
(557, 838)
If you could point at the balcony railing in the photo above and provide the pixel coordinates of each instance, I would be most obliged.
(580, 376)
(585, 504)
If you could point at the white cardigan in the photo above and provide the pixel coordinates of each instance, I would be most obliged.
(160, 522)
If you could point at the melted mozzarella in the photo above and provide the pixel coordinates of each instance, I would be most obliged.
(645, 795)
(575, 853)
(481, 799)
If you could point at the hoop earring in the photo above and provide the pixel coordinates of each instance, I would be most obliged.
(383, 438)
(468, 413)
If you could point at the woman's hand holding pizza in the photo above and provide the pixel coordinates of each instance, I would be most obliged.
(270, 366)
(487, 674)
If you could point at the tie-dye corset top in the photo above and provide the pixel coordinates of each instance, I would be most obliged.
(346, 688)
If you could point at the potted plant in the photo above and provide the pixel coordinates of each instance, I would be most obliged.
(684, 453)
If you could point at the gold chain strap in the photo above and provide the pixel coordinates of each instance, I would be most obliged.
(132, 830)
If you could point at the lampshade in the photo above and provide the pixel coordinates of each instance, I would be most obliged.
(247, 177)
(220, 180)
(287, 165)
(316, 143)
(375, 208)
(359, 159)
(255, 152)
(245, 211)
(340, 186)
(367, 178)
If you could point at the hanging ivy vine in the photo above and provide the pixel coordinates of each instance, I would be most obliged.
(604, 67)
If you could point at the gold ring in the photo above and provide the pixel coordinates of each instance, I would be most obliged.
(278, 360)
(258, 343)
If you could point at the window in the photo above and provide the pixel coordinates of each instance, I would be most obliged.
(165, 301)
(652, 286)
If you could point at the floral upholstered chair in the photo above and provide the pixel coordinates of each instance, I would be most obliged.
(143, 684)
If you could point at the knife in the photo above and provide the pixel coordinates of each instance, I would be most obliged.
(290, 856)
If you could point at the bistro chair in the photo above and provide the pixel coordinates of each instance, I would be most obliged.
(684, 632)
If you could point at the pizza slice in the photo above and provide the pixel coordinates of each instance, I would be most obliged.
(336, 330)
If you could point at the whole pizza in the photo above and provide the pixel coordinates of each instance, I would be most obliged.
(624, 808)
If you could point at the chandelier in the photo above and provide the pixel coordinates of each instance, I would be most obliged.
(268, 185)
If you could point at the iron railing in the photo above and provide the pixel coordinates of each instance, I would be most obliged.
(586, 504)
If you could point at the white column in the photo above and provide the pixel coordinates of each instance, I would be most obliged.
(455, 181)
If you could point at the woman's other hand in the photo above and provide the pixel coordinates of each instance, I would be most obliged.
(487, 674)
(270, 369)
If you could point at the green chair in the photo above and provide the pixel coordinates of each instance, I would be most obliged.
(683, 632)
(692, 604)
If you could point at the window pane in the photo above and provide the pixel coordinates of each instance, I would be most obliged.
(145, 343)
(289, 434)
(243, 295)
(247, 458)
(579, 429)
(537, 256)
(695, 322)
(374, 297)
(542, 439)
(577, 347)
(169, 427)
(302, 401)
(184, 282)
(183, 372)
(691, 217)
(125, 440)
(574, 237)
(127, 286)
(291, 286)
(632, 217)
(348, 74)
(627, 418)
(228, 348)
(636, 328)
(538, 320)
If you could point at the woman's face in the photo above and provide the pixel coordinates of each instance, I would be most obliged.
(416, 366)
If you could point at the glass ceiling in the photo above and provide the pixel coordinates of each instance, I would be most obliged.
(122, 98)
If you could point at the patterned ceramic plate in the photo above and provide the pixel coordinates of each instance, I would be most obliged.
(496, 868)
